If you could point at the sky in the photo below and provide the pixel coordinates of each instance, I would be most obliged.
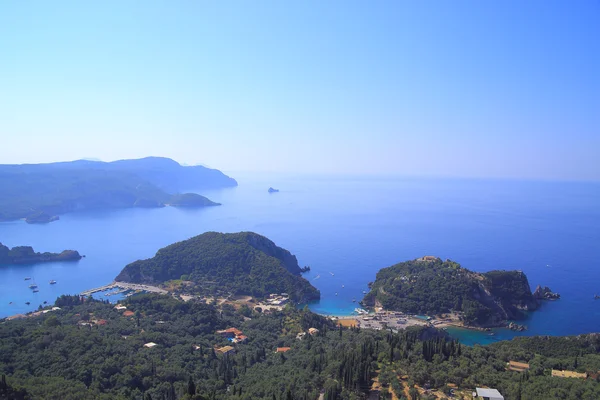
(506, 89)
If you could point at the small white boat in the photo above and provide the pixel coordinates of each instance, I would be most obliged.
(342, 285)
(28, 278)
(52, 282)
(33, 286)
(336, 293)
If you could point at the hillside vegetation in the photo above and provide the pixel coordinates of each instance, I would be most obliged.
(435, 286)
(90, 350)
(39, 192)
(239, 263)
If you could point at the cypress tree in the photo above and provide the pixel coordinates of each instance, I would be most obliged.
(191, 387)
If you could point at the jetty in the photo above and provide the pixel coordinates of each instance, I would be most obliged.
(124, 286)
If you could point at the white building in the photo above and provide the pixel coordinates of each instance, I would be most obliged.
(488, 394)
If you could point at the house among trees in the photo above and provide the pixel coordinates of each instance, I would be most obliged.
(225, 350)
(150, 345)
(569, 374)
(487, 394)
(233, 334)
(312, 331)
(283, 349)
(517, 366)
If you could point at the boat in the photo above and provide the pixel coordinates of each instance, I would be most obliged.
(336, 293)
(33, 286)
(52, 282)
(364, 292)
(354, 300)
(27, 278)
(331, 273)
(28, 303)
(317, 277)
(342, 285)
(35, 290)
(10, 302)
(596, 297)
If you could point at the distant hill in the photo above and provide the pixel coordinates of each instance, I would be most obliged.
(240, 263)
(26, 255)
(432, 286)
(46, 190)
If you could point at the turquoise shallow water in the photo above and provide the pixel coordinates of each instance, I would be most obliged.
(346, 229)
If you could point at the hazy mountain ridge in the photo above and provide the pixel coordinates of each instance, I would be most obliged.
(59, 188)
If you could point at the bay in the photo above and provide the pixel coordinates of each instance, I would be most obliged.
(346, 229)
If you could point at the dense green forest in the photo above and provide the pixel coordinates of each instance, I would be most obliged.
(238, 263)
(39, 192)
(435, 286)
(90, 350)
(26, 255)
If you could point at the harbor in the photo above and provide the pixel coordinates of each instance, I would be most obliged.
(123, 287)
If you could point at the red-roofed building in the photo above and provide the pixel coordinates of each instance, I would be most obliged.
(283, 349)
(128, 313)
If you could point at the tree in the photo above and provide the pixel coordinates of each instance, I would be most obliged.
(191, 389)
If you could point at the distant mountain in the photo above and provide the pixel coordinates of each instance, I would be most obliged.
(239, 263)
(431, 286)
(39, 192)
(26, 255)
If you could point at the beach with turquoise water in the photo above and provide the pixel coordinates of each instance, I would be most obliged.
(346, 229)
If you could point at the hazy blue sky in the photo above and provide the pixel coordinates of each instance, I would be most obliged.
(460, 88)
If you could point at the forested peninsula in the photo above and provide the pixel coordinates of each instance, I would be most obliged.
(26, 255)
(225, 263)
(431, 286)
(39, 193)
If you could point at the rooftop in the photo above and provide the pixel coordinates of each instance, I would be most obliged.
(492, 394)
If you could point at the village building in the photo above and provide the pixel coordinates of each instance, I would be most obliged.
(150, 345)
(225, 350)
(301, 335)
(312, 331)
(569, 374)
(517, 366)
(487, 394)
(283, 349)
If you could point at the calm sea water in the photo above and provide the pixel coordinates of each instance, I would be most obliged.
(346, 229)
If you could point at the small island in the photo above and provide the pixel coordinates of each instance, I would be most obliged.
(26, 255)
(272, 190)
(430, 286)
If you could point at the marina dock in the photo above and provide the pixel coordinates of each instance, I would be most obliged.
(124, 286)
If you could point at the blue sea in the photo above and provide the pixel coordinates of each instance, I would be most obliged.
(346, 229)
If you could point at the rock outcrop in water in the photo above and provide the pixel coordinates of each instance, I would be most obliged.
(545, 293)
(26, 255)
